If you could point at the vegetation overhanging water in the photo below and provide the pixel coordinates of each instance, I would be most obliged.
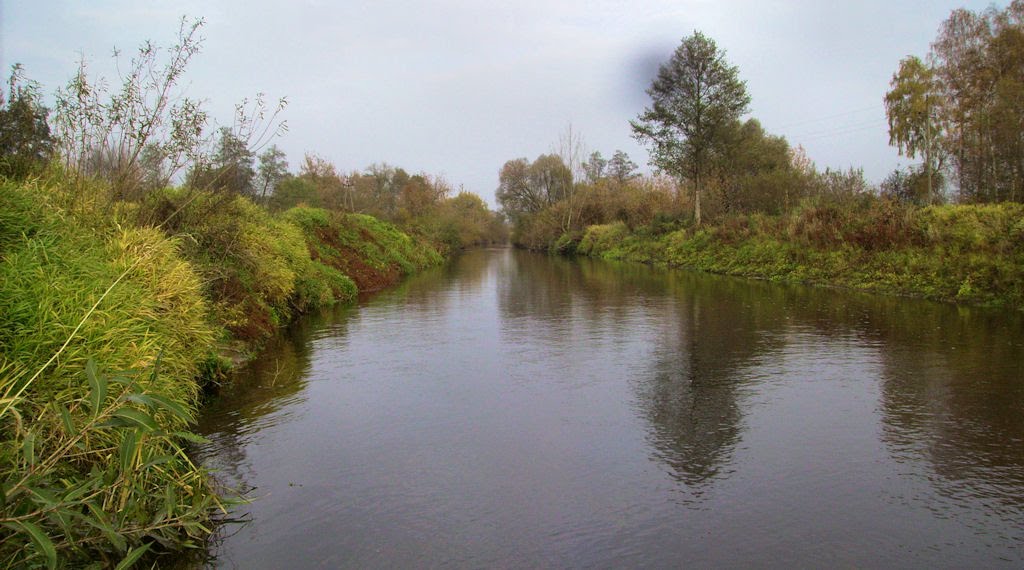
(143, 251)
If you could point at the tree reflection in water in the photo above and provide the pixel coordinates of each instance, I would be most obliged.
(588, 409)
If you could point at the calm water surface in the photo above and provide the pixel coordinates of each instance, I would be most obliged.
(516, 410)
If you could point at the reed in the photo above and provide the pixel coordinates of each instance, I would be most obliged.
(92, 465)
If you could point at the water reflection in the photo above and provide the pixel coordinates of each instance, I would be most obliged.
(517, 409)
(266, 392)
(430, 293)
(690, 393)
(952, 394)
(695, 334)
(951, 379)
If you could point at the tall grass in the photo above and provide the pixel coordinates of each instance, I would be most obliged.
(255, 267)
(88, 457)
(99, 474)
(259, 270)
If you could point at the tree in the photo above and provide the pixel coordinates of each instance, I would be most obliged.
(525, 188)
(231, 168)
(754, 170)
(465, 220)
(1006, 53)
(551, 178)
(386, 183)
(571, 149)
(978, 65)
(959, 56)
(420, 196)
(331, 190)
(153, 167)
(104, 133)
(293, 191)
(595, 167)
(515, 195)
(273, 168)
(910, 107)
(694, 98)
(235, 161)
(910, 185)
(25, 141)
(620, 168)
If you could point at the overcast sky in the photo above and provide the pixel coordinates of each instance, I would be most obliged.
(459, 87)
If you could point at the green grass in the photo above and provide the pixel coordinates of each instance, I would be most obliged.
(260, 270)
(369, 252)
(57, 268)
(256, 268)
(967, 254)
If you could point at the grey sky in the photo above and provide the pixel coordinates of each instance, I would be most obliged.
(459, 87)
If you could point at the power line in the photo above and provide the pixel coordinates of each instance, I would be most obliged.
(850, 129)
(830, 117)
(822, 131)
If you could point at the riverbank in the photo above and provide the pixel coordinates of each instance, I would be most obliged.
(112, 315)
(972, 254)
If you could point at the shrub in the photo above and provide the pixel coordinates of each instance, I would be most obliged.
(252, 263)
(599, 239)
(567, 243)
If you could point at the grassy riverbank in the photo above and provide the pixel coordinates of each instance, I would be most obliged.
(964, 253)
(111, 314)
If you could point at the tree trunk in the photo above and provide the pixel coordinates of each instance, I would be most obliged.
(696, 206)
(696, 193)
(928, 152)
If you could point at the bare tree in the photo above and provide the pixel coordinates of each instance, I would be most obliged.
(147, 130)
(104, 133)
(572, 150)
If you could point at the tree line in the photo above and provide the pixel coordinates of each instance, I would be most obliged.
(709, 163)
(147, 134)
(960, 111)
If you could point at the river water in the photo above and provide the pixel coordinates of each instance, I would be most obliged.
(515, 410)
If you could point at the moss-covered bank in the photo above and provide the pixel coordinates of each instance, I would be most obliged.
(965, 253)
(110, 314)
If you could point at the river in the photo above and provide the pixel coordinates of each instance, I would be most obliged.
(516, 410)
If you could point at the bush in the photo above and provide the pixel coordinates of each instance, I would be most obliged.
(968, 254)
(996, 228)
(538, 231)
(599, 239)
(256, 268)
(567, 243)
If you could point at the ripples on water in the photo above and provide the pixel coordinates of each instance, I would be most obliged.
(515, 410)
